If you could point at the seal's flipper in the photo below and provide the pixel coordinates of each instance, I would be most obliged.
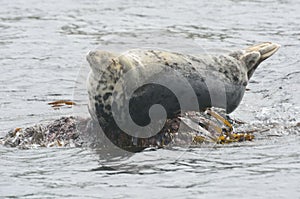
(265, 50)
(251, 60)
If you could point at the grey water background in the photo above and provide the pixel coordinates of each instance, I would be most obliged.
(42, 49)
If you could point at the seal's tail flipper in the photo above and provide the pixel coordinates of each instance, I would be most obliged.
(256, 54)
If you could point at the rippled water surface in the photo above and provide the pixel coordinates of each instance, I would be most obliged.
(42, 49)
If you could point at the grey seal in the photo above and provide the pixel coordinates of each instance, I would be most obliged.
(217, 80)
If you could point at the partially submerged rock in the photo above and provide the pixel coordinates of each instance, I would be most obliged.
(186, 129)
(61, 132)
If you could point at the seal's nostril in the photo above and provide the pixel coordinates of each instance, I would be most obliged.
(91, 54)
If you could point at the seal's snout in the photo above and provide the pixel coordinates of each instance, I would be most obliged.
(90, 56)
(99, 59)
(256, 54)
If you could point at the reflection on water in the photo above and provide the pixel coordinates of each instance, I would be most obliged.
(43, 46)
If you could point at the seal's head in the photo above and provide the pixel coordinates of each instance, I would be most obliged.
(254, 55)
